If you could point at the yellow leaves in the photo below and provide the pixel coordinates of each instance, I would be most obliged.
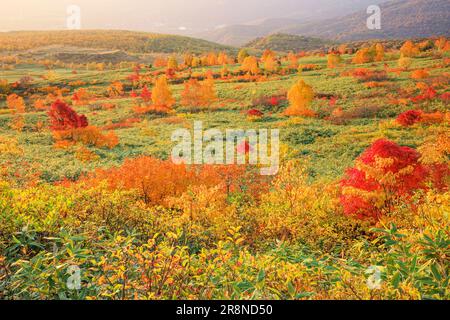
(436, 148)
(17, 123)
(404, 62)
(270, 64)
(172, 63)
(10, 146)
(300, 97)
(334, 60)
(85, 155)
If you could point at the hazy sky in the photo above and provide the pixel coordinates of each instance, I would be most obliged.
(154, 15)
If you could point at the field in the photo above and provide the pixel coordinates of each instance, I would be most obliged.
(92, 207)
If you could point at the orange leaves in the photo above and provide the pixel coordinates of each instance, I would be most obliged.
(15, 103)
(362, 56)
(198, 94)
(420, 74)
(379, 52)
(115, 89)
(158, 181)
(81, 96)
(40, 105)
(250, 65)
(152, 109)
(161, 94)
(160, 62)
(300, 97)
(409, 49)
(90, 136)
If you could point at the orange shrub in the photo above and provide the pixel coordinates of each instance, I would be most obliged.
(15, 103)
(419, 74)
(90, 136)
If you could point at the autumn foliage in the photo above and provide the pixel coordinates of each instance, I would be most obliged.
(162, 95)
(197, 94)
(383, 174)
(63, 117)
(300, 97)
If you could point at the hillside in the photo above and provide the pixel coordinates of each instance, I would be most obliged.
(301, 13)
(136, 42)
(287, 42)
(400, 19)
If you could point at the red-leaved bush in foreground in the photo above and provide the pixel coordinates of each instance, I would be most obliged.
(384, 173)
(63, 117)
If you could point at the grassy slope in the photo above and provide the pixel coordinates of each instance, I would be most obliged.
(332, 148)
(287, 42)
(136, 42)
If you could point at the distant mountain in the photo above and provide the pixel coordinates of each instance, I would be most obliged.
(128, 41)
(399, 19)
(302, 13)
(287, 42)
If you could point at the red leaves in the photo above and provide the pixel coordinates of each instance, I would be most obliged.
(386, 172)
(146, 95)
(254, 113)
(274, 102)
(63, 117)
(428, 94)
(410, 117)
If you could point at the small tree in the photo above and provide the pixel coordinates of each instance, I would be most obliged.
(161, 94)
(15, 103)
(62, 117)
(300, 97)
(409, 49)
(404, 62)
(379, 52)
(362, 56)
(250, 65)
(172, 63)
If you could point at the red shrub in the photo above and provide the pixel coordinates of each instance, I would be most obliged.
(445, 97)
(384, 173)
(63, 117)
(410, 117)
(254, 113)
(146, 95)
